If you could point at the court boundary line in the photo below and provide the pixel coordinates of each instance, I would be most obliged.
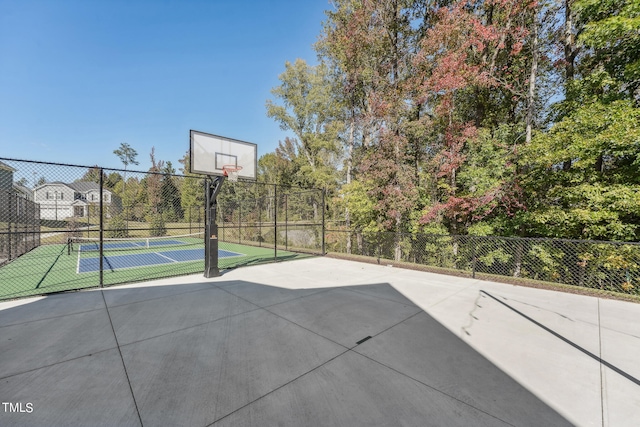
(164, 256)
(151, 265)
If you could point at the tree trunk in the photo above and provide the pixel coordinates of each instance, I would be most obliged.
(347, 216)
(599, 166)
(532, 78)
(570, 52)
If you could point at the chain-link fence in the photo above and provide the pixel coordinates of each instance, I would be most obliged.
(19, 225)
(288, 220)
(613, 266)
(56, 220)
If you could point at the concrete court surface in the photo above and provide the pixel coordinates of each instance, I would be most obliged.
(319, 342)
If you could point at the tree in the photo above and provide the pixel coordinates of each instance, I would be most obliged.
(582, 178)
(93, 175)
(170, 205)
(370, 47)
(192, 192)
(279, 167)
(597, 197)
(153, 186)
(309, 110)
(611, 40)
(127, 156)
(132, 197)
(472, 62)
(443, 113)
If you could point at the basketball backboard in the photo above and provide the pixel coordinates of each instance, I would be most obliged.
(209, 153)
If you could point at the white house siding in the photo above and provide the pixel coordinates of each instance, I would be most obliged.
(62, 199)
(57, 205)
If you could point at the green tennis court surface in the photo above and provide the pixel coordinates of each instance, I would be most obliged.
(50, 268)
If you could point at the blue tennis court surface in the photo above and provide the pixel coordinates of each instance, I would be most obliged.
(116, 262)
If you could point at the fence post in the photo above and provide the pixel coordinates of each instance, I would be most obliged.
(275, 222)
(286, 222)
(221, 216)
(88, 210)
(11, 209)
(101, 222)
(323, 226)
(239, 220)
(473, 256)
(259, 222)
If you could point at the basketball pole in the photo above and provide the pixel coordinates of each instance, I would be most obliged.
(211, 235)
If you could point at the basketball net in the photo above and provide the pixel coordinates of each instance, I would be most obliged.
(231, 172)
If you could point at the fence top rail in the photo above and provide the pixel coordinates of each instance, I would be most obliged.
(468, 236)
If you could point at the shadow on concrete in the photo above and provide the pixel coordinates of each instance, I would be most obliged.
(243, 353)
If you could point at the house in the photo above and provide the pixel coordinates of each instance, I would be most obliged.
(22, 191)
(9, 191)
(59, 200)
(7, 185)
(19, 217)
(6, 176)
(6, 191)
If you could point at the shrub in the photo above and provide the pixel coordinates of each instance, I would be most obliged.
(117, 227)
(158, 227)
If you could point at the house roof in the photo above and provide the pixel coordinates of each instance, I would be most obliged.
(7, 167)
(84, 186)
(22, 188)
(79, 186)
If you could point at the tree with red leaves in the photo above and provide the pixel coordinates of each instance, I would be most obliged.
(460, 56)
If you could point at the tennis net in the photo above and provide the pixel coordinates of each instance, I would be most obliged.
(91, 244)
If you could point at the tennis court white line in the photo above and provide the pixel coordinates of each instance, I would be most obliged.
(164, 256)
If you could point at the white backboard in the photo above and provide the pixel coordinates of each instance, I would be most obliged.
(209, 153)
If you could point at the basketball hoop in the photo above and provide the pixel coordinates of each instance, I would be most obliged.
(231, 172)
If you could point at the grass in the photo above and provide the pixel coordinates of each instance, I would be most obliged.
(50, 268)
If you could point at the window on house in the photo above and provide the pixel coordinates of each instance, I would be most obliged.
(47, 195)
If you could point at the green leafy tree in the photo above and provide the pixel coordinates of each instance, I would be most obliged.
(597, 197)
(308, 109)
(132, 198)
(192, 193)
(93, 175)
(582, 178)
(117, 227)
(170, 205)
(127, 156)
(611, 39)
(158, 225)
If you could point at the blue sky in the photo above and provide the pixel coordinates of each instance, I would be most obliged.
(77, 78)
